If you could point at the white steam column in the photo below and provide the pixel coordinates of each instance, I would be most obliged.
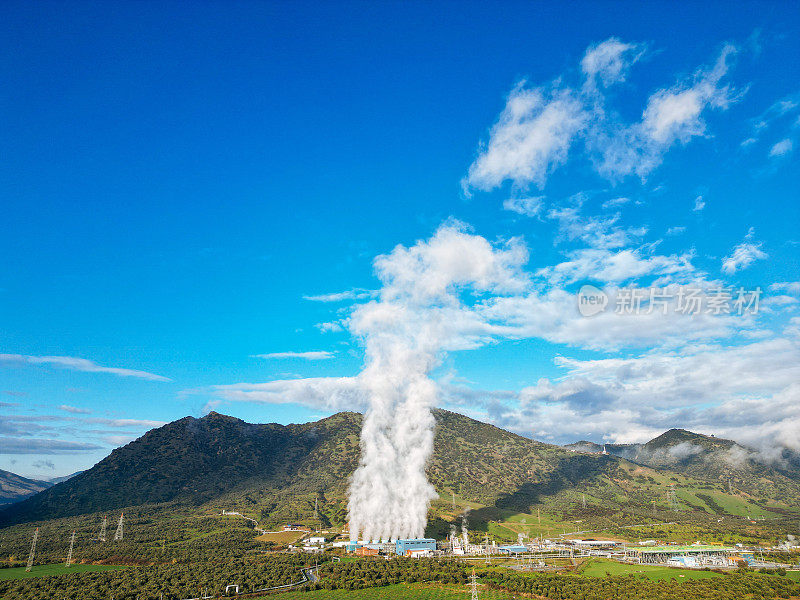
(417, 317)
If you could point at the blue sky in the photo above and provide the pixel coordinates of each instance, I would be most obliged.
(176, 182)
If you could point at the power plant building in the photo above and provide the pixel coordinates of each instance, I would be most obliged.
(414, 547)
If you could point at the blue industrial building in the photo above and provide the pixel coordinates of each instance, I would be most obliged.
(403, 546)
(513, 549)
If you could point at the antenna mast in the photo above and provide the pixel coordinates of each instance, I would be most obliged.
(33, 551)
(118, 532)
(71, 546)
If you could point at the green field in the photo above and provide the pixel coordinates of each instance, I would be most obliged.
(599, 568)
(58, 569)
(402, 591)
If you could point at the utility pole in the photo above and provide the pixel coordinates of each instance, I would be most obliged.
(71, 546)
(33, 551)
(118, 532)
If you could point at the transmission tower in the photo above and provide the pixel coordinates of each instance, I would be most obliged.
(103, 529)
(118, 532)
(71, 546)
(672, 500)
(316, 513)
(33, 550)
(583, 496)
(454, 500)
(474, 585)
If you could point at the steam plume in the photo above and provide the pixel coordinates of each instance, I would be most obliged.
(417, 316)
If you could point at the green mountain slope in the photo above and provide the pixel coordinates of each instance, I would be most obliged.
(275, 473)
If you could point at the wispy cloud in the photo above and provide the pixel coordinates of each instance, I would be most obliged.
(610, 61)
(315, 355)
(541, 125)
(529, 207)
(530, 139)
(74, 410)
(17, 445)
(348, 295)
(699, 204)
(782, 148)
(743, 255)
(78, 364)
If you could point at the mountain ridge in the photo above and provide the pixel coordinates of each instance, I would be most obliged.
(277, 472)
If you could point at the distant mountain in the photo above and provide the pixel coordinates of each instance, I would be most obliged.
(709, 458)
(14, 488)
(55, 480)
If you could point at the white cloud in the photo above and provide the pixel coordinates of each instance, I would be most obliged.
(677, 230)
(314, 355)
(348, 295)
(791, 287)
(78, 364)
(615, 202)
(782, 148)
(530, 207)
(617, 266)
(609, 61)
(540, 126)
(331, 393)
(747, 393)
(773, 115)
(596, 232)
(672, 116)
(743, 255)
(74, 410)
(699, 204)
(531, 138)
(31, 445)
(329, 326)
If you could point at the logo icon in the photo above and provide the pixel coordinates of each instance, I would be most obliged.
(591, 300)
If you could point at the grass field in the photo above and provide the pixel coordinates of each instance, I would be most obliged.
(282, 537)
(599, 567)
(403, 591)
(59, 569)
